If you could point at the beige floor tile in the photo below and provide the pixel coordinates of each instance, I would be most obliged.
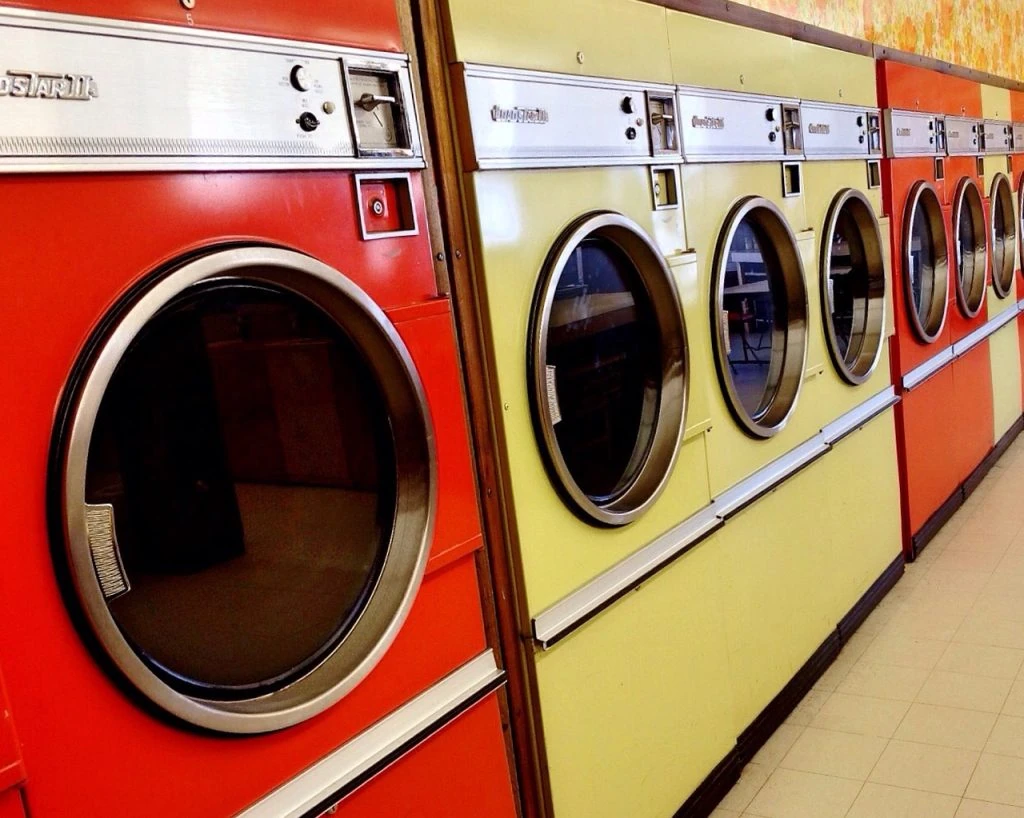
(863, 715)
(907, 651)
(925, 767)
(999, 779)
(829, 752)
(751, 780)
(1001, 583)
(946, 726)
(965, 691)
(955, 580)
(882, 801)
(1011, 563)
(971, 559)
(982, 660)
(794, 794)
(835, 673)
(926, 600)
(883, 681)
(984, 630)
(725, 813)
(858, 643)
(803, 714)
(775, 749)
(992, 605)
(983, 809)
(1007, 737)
(1014, 704)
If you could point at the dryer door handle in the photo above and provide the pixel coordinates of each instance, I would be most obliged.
(103, 548)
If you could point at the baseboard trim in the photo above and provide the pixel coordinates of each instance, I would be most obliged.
(727, 772)
(934, 523)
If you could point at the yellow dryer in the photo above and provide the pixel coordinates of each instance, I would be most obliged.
(1003, 228)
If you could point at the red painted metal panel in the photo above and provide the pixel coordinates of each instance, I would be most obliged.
(11, 805)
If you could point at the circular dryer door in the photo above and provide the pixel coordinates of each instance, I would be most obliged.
(608, 369)
(1004, 235)
(969, 245)
(853, 285)
(925, 262)
(244, 478)
(759, 316)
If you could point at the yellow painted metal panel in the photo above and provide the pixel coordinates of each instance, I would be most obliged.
(834, 76)
(713, 54)
(1004, 356)
(519, 217)
(635, 705)
(604, 38)
(995, 102)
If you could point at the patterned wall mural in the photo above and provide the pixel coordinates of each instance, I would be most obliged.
(981, 34)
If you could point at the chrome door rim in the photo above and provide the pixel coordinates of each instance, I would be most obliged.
(1003, 190)
(416, 483)
(658, 460)
(923, 194)
(967, 190)
(874, 323)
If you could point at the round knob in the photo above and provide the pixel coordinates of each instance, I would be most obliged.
(631, 133)
(770, 114)
(377, 206)
(861, 139)
(772, 136)
(860, 122)
(301, 81)
(627, 105)
(308, 122)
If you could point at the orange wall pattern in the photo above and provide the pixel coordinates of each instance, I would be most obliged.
(980, 34)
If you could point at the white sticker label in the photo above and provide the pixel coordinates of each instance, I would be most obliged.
(725, 332)
(553, 411)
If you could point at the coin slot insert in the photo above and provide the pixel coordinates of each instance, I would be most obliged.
(940, 168)
(386, 205)
(874, 174)
(792, 179)
(664, 188)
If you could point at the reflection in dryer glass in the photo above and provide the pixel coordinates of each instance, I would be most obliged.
(849, 281)
(245, 448)
(970, 251)
(603, 364)
(922, 265)
(1003, 238)
(748, 311)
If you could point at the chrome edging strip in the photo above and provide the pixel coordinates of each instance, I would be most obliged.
(765, 479)
(854, 419)
(558, 620)
(213, 163)
(382, 743)
(990, 327)
(919, 374)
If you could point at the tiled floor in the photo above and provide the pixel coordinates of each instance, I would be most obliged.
(922, 714)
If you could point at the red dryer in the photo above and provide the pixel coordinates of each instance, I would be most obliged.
(241, 576)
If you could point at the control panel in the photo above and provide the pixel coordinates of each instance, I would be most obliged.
(156, 97)
(997, 136)
(1018, 137)
(912, 133)
(963, 136)
(841, 131)
(533, 119)
(719, 126)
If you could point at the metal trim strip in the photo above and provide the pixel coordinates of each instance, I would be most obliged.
(587, 162)
(859, 416)
(572, 611)
(553, 78)
(566, 614)
(735, 499)
(382, 743)
(128, 164)
(83, 24)
(923, 372)
(841, 157)
(990, 327)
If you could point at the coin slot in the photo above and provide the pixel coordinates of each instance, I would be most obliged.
(662, 115)
(386, 205)
(874, 133)
(874, 174)
(378, 104)
(792, 179)
(979, 165)
(792, 133)
(664, 188)
(940, 168)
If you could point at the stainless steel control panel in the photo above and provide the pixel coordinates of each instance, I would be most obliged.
(997, 136)
(79, 93)
(721, 126)
(841, 131)
(912, 133)
(1018, 137)
(963, 136)
(537, 119)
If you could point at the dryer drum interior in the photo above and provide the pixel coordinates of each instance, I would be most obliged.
(969, 242)
(245, 487)
(853, 285)
(759, 316)
(925, 262)
(607, 360)
(1004, 235)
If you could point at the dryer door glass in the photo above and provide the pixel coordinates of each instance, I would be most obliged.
(607, 333)
(1004, 237)
(925, 262)
(853, 279)
(760, 316)
(970, 257)
(255, 500)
